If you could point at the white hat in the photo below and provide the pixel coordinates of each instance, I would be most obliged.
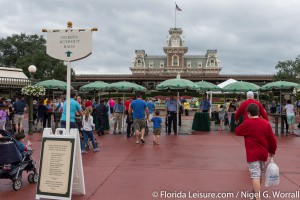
(250, 94)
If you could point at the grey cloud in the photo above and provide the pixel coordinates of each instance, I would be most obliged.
(251, 36)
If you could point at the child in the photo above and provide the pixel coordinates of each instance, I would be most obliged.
(87, 127)
(259, 141)
(222, 112)
(129, 121)
(157, 121)
(2, 118)
(20, 137)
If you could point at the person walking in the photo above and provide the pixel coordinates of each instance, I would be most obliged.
(222, 112)
(186, 106)
(101, 112)
(171, 110)
(138, 109)
(118, 115)
(74, 107)
(87, 130)
(259, 141)
(290, 116)
(151, 107)
(127, 104)
(111, 104)
(19, 108)
(242, 110)
(157, 121)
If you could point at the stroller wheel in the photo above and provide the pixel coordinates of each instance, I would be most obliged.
(17, 184)
(33, 178)
(30, 177)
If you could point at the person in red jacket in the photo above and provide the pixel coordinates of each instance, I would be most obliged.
(242, 109)
(259, 142)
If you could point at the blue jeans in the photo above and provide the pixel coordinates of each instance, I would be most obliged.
(72, 124)
(86, 135)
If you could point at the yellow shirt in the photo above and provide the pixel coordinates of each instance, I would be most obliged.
(186, 105)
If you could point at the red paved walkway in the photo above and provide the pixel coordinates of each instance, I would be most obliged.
(206, 162)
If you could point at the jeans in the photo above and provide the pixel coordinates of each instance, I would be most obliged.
(72, 124)
(86, 135)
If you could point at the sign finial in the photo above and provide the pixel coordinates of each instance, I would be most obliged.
(70, 24)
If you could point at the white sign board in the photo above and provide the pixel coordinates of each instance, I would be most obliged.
(69, 44)
(61, 171)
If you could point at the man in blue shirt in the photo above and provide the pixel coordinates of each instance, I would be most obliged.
(118, 111)
(74, 107)
(138, 108)
(151, 108)
(205, 105)
(171, 110)
(19, 108)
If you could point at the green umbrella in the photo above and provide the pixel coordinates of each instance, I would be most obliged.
(207, 86)
(241, 86)
(54, 84)
(98, 85)
(279, 85)
(177, 84)
(124, 86)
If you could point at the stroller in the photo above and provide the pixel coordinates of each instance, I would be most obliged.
(12, 163)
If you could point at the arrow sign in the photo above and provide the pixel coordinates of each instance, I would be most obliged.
(68, 53)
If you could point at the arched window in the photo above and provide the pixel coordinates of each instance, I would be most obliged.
(212, 62)
(175, 60)
(139, 63)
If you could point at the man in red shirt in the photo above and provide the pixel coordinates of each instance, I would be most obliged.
(127, 104)
(242, 110)
(259, 141)
(88, 103)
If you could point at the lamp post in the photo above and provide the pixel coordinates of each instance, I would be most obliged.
(32, 70)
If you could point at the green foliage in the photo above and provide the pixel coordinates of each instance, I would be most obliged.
(288, 70)
(23, 50)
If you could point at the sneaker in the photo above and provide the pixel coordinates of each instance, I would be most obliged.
(137, 142)
(120, 132)
(114, 132)
(96, 149)
(83, 152)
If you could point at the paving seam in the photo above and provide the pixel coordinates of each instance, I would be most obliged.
(117, 167)
(290, 179)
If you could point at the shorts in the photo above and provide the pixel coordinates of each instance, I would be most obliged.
(156, 131)
(257, 168)
(290, 119)
(18, 119)
(2, 123)
(139, 124)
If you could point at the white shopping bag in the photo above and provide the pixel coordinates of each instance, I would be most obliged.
(272, 174)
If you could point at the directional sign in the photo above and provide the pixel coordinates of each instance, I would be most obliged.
(69, 44)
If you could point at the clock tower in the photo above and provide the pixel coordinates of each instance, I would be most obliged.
(175, 50)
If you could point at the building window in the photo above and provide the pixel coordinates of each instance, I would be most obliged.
(150, 64)
(161, 64)
(189, 64)
(199, 64)
(139, 63)
(212, 62)
(175, 60)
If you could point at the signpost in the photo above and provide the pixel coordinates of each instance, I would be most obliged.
(61, 151)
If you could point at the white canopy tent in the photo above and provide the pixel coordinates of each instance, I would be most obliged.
(222, 85)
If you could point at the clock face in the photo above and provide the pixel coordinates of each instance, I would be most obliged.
(175, 41)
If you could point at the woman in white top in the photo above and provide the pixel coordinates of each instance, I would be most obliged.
(290, 115)
(87, 130)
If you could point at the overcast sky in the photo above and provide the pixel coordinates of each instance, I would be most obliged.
(251, 36)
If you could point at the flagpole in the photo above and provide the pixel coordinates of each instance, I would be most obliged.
(175, 14)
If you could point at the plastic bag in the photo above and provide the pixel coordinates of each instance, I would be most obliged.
(272, 174)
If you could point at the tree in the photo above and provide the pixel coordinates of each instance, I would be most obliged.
(23, 50)
(288, 70)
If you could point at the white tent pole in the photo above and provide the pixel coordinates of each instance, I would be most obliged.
(177, 106)
(210, 104)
